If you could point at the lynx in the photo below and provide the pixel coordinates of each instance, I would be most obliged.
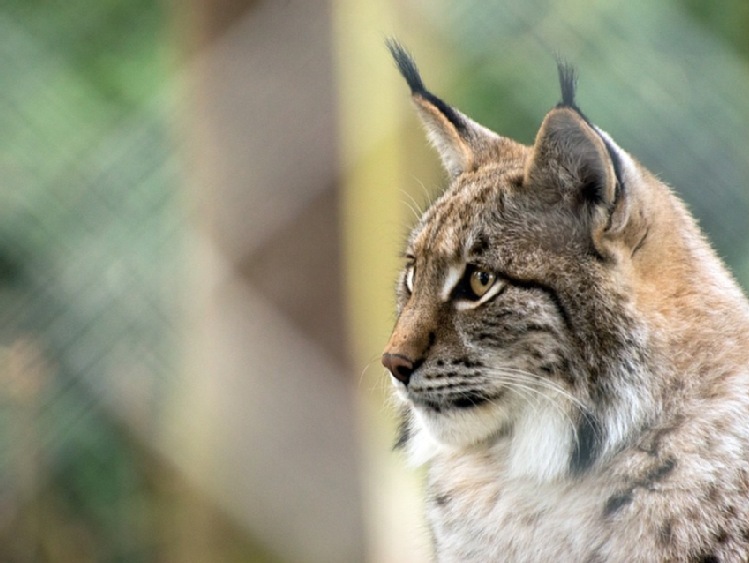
(571, 355)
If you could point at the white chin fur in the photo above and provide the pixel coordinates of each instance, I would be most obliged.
(539, 446)
(462, 427)
(433, 433)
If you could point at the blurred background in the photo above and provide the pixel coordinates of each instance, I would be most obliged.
(201, 208)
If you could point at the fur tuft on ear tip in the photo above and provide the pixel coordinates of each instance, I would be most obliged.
(406, 65)
(410, 72)
(567, 83)
(461, 143)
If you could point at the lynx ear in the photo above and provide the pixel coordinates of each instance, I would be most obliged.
(461, 143)
(572, 162)
(575, 161)
(570, 158)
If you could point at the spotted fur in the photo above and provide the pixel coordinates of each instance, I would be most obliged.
(595, 405)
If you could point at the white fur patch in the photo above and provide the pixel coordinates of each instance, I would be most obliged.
(629, 168)
(422, 447)
(462, 427)
(454, 273)
(542, 441)
(410, 271)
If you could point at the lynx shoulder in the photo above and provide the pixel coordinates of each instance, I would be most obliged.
(571, 355)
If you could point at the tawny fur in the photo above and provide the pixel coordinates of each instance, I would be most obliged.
(609, 369)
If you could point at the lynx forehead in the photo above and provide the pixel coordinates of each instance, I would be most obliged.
(570, 355)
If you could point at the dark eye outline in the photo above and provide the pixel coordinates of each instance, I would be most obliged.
(463, 290)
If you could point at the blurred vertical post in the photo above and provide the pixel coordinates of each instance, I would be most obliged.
(266, 421)
(370, 99)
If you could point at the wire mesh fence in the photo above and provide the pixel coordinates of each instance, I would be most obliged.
(90, 247)
(97, 235)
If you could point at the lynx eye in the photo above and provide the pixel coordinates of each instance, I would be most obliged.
(481, 281)
(475, 287)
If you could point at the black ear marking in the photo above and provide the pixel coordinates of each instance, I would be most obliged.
(406, 66)
(568, 84)
(408, 69)
(616, 162)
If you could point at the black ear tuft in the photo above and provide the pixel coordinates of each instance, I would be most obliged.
(567, 83)
(406, 66)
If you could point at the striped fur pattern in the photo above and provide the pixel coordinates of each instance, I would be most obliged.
(571, 356)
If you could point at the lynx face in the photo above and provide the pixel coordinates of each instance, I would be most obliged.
(481, 325)
(515, 317)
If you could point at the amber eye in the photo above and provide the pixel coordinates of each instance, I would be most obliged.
(481, 281)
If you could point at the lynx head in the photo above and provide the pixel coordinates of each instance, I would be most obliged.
(533, 291)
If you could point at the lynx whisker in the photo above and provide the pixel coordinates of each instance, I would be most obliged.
(380, 382)
(416, 204)
(428, 194)
(534, 379)
(411, 205)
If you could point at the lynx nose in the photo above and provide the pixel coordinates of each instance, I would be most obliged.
(399, 365)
